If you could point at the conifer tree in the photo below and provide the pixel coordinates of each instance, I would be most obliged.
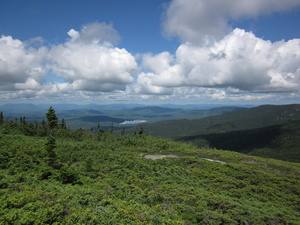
(51, 142)
(123, 131)
(141, 130)
(1, 117)
(50, 146)
(100, 130)
(111, 128)
(52, 118)
(63, 124)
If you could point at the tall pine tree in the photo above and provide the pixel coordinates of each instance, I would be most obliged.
(52, 118)
(1, 117)
(51, 142)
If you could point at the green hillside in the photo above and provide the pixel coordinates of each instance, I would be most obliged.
(267, 131)
(83, 177)
(278, 141)
(262, 116)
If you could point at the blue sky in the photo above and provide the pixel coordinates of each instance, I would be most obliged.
(155, 52)
(138, 22)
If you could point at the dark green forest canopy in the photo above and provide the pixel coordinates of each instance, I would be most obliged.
(92, 177)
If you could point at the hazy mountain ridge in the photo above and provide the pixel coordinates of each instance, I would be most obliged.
(87, 116)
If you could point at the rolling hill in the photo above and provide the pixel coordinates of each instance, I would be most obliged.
(252, 118)
(92, 178)
(269, 131)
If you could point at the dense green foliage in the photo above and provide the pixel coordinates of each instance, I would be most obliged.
(93, 177)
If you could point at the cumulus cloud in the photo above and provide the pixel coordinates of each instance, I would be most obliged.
(88, 62)
(203, 22)
(20, 65)
(95, 33)
(92, 63)
(207, 66)
(95, 63)
(144, 85)
(239, 61)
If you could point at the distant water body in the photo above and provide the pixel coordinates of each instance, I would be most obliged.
(132, 122)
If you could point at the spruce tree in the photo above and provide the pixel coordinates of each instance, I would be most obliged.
(52, 118)
(51, 142)
(63, 124)
(141, 130)
(100, 130)
(1, 117)
(111, 128)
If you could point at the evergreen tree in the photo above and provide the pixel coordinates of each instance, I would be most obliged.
(23, 121)
(52, 118)
(100, 130)
(123, 131)
(63, 124)
(141, 130)
(1, 117)
(50, 146)
(111, 128)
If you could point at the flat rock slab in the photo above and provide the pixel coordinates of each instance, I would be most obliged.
(212, 160)
(154, 157)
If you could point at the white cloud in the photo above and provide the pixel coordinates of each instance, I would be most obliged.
(89, 85)
(88, 62)
(203, 22)
(20, 64)
(240, 60)
(95, 33)
(235, 67)
(93, 65)
(144, 85)
(157, 63)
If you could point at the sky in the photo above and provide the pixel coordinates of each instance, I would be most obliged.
(233, 52)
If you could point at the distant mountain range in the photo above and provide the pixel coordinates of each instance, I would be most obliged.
(87, 116)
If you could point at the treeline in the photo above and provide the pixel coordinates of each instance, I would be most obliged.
(51, 124)
(21, 125)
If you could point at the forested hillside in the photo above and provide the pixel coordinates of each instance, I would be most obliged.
(262, 116)
(267, 131)
(52, 175)
(278, 141)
